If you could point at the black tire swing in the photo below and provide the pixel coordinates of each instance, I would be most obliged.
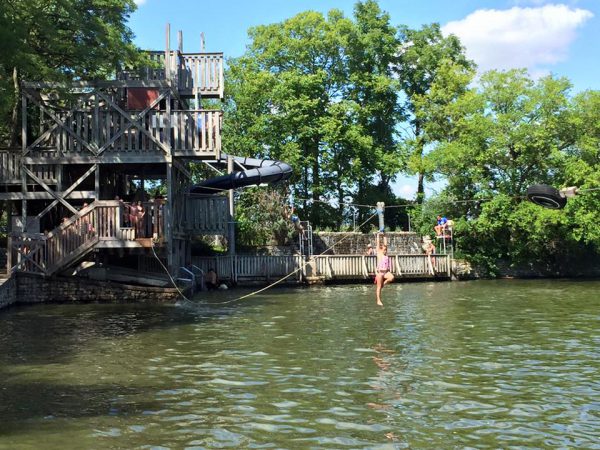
(546, 196)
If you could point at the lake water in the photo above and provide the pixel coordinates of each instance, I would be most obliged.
(485, 364)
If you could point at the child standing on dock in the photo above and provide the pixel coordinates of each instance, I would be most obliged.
(383, 274)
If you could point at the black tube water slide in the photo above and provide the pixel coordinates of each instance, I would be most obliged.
(262, 171)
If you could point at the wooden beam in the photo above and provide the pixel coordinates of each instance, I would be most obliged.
(136, 118)
(181, 167)
(119, 158)
(71, 189)
(75, 195)
(97, 84)
(135, 123)
(168, 210)
(50, 191)
(90, 146)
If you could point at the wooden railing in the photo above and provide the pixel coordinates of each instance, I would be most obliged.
(10, 168)
(194, 72)
(100, 221)
(108, 131)
(206, 215)
(202, 72)
(328, 267)
(352, 266)
(251, 268)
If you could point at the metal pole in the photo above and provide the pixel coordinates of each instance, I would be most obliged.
(231, 241)
(380, 209)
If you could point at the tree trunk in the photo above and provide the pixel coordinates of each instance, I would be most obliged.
(419, 151)
(421, 188)
(14, 133)
(316, 181)
(340, 194)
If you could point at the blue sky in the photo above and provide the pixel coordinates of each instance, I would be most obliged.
(558, 37)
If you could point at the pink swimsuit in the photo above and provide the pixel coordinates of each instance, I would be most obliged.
(384, 264)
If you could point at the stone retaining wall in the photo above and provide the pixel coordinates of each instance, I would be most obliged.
(26, 289)
(8, 292)
(401, 242)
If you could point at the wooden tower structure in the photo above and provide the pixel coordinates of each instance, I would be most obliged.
(79, 187)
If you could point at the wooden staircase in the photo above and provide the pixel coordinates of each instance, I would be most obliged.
(97, 225)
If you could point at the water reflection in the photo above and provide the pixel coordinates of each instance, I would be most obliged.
(483, 364)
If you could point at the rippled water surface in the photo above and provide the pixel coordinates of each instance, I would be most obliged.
(487, 364)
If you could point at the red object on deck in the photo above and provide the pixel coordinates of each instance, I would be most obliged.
(141, 98)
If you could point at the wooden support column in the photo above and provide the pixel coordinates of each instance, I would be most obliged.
(23, 173)
(97, 181)
(96, 129)
(168, 54)
(168, 211)
(231, 239)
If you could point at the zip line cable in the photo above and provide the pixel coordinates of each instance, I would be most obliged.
(167, 271)
(310, 260)
(314, 257)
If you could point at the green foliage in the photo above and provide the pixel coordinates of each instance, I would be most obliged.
(318, 93)
(262, 218)
(58, 40)
(433, 71)
(510, 133)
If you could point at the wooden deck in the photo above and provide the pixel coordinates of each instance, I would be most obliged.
(296, 268)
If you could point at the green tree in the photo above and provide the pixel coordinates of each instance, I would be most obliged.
(510, 133)
(58, 40)
(432, 69)
(262, 217)
(582, 168)
(372, 48)
(317, 92)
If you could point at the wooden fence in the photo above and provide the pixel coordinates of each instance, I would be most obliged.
(326, 267)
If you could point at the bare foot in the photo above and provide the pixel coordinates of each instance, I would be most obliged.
(379, 303)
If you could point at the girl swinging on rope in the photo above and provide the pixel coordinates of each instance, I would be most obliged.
(383, 274)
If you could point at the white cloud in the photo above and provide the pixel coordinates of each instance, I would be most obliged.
(519, 37)
(531, 2)
(407, 191)
(139, 2)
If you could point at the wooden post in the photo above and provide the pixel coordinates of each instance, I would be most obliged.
(23, 173)
(96, 129)
(168, 54)
(97, 182)
(168, 211)
(231, 240)
(9, 252)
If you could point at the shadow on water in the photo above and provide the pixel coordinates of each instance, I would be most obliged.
(20, 403)
(52, 333)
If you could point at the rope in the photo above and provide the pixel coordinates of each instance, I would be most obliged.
(167, 271)
(312, 259)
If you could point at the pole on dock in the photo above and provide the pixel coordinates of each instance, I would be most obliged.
(380, 208)
(231, 240)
